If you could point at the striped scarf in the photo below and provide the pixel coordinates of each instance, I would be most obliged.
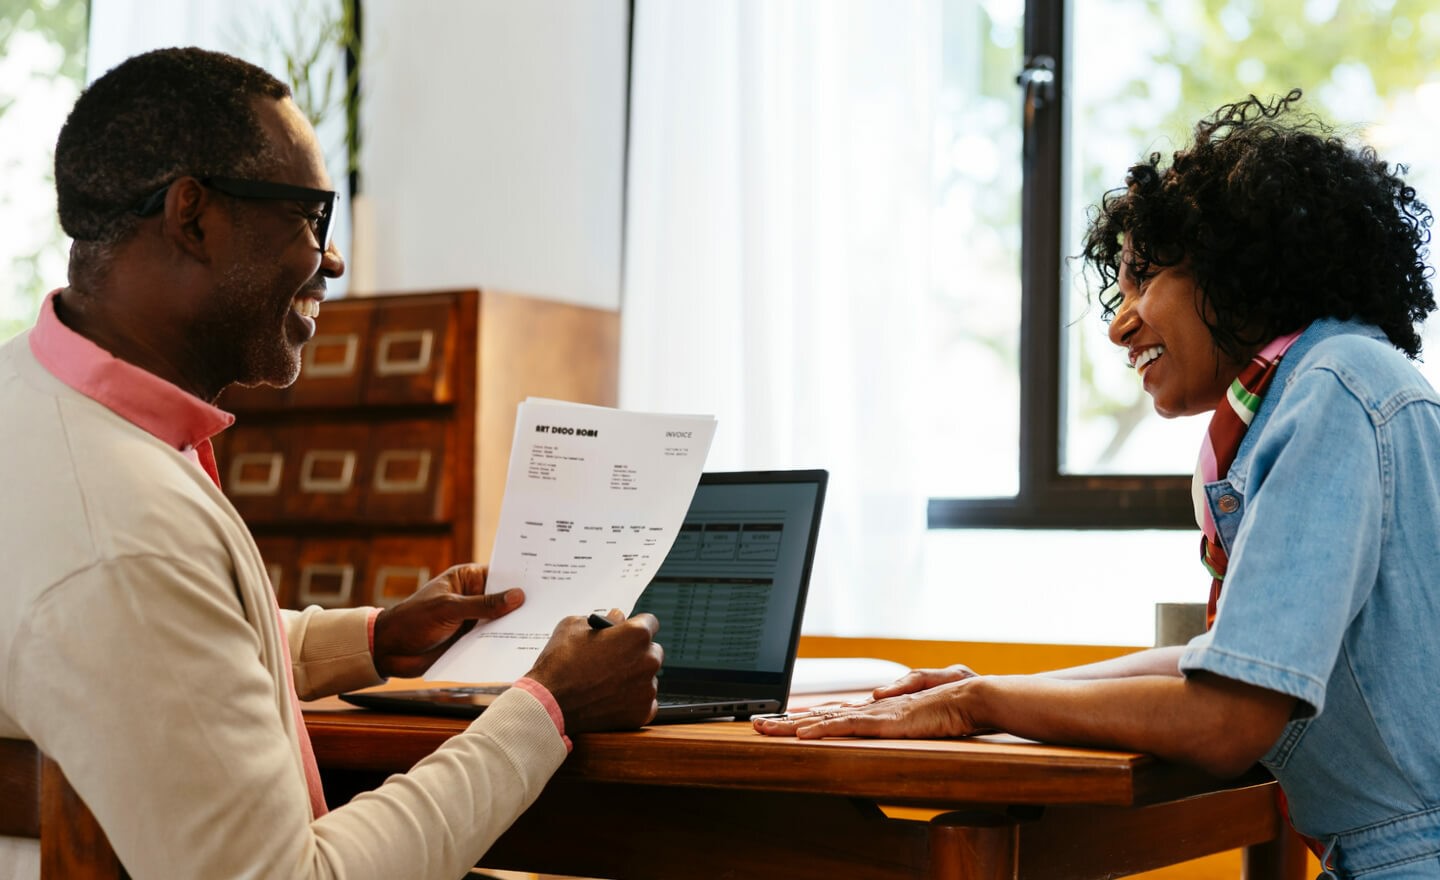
(1217, 452)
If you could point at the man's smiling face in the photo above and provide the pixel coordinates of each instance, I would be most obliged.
(267, 295)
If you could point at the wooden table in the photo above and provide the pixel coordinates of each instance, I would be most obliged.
(717, 800)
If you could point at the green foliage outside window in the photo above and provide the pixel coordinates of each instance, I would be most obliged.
(41, 44)
(1358, 61)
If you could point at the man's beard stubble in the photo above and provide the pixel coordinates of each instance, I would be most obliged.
(245, 337)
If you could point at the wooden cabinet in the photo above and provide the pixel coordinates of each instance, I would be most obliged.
(385, 462)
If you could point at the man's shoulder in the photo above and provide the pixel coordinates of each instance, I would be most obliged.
(83, 486)
(15, 361)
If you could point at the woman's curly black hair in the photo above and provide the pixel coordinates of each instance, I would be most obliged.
(1281, 222)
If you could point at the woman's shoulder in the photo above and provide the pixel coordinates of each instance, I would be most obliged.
(1364, 363)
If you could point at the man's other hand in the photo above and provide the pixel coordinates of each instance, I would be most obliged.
(413, 634)
(603, 679)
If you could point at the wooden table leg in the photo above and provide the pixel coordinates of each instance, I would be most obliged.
(72, 843)
(976, 846)
(1283, 858)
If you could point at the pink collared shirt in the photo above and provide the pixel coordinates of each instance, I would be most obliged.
(175, 416)
(180, 419)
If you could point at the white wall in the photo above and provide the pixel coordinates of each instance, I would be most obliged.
(494, 133)
(494, 147)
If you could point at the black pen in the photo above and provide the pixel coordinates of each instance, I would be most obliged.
(600, 621)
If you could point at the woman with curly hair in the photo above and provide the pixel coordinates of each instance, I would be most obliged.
(1274, 274)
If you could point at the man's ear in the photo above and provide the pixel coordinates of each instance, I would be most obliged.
(191, 217)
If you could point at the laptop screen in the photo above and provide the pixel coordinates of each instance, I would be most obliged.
(731, 593)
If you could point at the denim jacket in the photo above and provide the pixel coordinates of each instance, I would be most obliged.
(1331, 517)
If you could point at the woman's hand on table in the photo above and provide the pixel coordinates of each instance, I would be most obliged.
(923, 679)
(932, 713)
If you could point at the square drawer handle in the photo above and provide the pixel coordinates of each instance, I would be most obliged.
(330, 370)
(387, 365)
(385, 483)
(309, 482)
(420, 575)
(308, 594)
(238, 483)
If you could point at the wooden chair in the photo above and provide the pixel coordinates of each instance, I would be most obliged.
(37, 801)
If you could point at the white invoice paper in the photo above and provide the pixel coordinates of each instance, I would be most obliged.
(593, 500)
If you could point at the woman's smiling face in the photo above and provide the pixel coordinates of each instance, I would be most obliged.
(1159, 324)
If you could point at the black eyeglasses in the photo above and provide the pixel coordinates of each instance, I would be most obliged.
(259, 189)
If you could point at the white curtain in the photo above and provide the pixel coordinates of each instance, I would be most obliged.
(777, 260)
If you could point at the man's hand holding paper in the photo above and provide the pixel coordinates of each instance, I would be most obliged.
(593, 500)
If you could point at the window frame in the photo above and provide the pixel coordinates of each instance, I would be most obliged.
(1047, 498)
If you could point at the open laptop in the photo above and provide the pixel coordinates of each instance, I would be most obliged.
(729, 596)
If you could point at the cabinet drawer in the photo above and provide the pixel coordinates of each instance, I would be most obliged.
(332, 366)
(281, 556)
(401, 565)
(396, 434)
(409, 479)
(252, 462)
(326, 475)
(412, 352)
(330, 573)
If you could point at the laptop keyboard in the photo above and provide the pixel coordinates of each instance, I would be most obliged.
(664, 699)
(688, 699)
(475, 690)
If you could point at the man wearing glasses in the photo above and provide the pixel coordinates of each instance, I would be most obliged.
(140, 644)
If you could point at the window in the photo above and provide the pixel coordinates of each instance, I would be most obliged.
(1110, 81)
(42, 68)
(846, 238)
